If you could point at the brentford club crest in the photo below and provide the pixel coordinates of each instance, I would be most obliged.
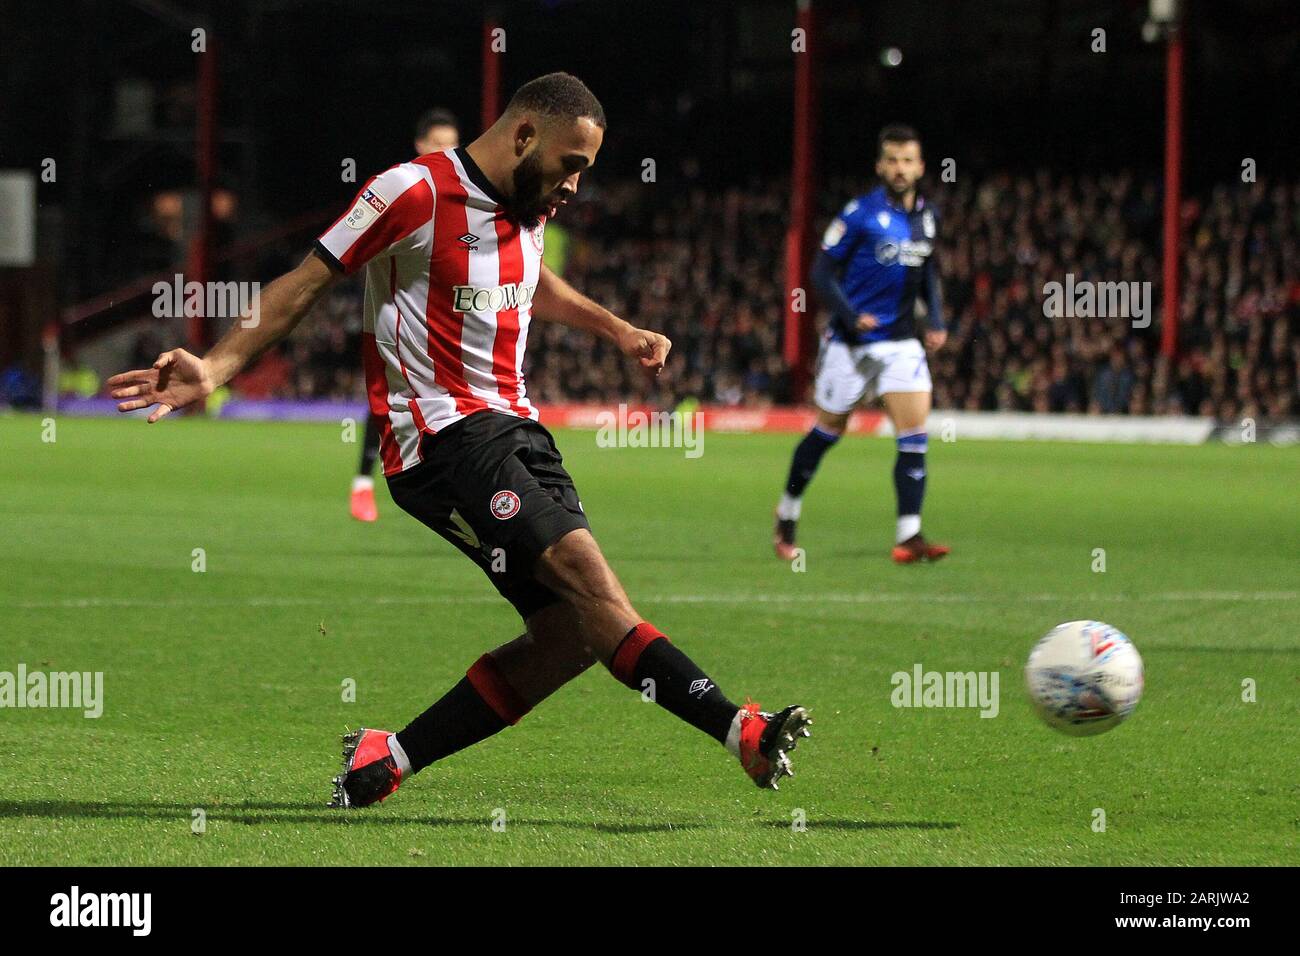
(536, 233)
(505, 504)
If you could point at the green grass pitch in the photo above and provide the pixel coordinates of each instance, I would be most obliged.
(223, 688)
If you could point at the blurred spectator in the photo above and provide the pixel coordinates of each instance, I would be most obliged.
(706, 268)
(1113, 385)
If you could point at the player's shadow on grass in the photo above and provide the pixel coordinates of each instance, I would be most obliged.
(255, 813)
(833, 824)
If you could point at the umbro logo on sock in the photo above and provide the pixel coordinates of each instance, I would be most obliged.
(916, 474)
(700, 687)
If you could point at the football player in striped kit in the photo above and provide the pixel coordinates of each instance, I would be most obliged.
(451, 245)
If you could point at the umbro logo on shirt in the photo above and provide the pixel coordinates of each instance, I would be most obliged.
(468, 240)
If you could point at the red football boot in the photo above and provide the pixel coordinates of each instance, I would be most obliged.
(369, 771)
(916, 548)
(767, 739)
(362, 502)
(783, 540)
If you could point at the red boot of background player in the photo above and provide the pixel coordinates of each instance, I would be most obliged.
(363, 501)
(916, 548)
(783, 539)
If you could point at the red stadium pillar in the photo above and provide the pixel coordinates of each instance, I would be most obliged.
(1173, 192)
(798, 320)
(491, 72)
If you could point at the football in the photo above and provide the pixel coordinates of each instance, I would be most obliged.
(1084, 677)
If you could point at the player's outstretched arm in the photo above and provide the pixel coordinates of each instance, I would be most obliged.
(935, 334)
(179, 378)
(557, 301)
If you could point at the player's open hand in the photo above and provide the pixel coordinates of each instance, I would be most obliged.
(649, 348)
(176, 380)
(934, 339)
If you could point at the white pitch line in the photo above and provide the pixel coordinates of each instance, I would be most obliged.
(888, 598)
(738, 599)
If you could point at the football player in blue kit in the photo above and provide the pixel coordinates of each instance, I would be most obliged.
(876, 261)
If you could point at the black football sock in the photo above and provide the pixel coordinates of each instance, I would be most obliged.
(475, 709)
(909, 480)
(807, 456)
(369, 448)
(648, 662)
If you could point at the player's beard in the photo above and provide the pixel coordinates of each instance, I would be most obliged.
(528, 205)
(900, 191)
(898, 194)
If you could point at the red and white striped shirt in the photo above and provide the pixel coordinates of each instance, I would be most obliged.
(449, 290)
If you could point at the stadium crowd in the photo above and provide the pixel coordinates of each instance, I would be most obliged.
(706, 268)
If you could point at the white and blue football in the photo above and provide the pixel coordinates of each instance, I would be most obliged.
(1084, 677)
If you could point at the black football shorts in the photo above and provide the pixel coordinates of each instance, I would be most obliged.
(494, 485)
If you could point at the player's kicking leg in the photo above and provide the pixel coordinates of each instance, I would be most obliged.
(909, 412)
(642, 657)
(362, 499)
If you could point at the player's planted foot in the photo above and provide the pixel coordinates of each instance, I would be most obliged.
(363, 500)
(916, 548)
(370, 771)
(783, 539)
(767, 739)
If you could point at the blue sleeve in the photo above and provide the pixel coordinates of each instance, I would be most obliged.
(933, 296)
(826, 280)
(843, 233)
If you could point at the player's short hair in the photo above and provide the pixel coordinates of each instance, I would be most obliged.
(558, 94)
(897, 133)
(435, 117)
